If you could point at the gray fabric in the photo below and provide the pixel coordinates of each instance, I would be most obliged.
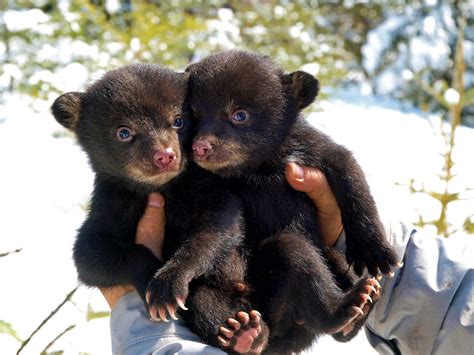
(427, 308)
(133, 333)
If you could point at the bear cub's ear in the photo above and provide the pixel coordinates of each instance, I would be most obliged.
(66, 109)
(302, 86)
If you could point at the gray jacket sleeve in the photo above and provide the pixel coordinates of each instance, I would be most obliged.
(133, 333)
(428, 307)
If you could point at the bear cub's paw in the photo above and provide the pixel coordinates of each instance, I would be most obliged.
(166, 293)
(375, 254)
(243, 334)
(357, 303)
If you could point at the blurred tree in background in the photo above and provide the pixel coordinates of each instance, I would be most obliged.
(419, 51)
(393, 44)
(45, 36)
(406, 49)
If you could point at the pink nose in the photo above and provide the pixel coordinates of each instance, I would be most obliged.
(201, 147)
(163, 158)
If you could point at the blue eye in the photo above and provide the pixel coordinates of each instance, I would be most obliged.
(240, 116)
(125, 134)
(178, 123)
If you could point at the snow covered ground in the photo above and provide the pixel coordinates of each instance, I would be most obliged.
(45, 183)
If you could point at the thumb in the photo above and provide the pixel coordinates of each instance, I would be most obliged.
(151, 227)
(309, 180)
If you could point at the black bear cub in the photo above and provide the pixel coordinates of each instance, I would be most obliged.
(247, 112)
(135, 127)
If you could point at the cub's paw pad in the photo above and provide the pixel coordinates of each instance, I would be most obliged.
(358, 303)
(240, 333)
(360, 299)
(365, 293)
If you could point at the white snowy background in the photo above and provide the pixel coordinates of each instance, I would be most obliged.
(45, 183)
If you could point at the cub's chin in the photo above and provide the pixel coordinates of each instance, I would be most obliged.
(213, 166)
(154, 177)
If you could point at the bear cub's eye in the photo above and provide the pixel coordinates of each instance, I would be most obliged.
(178, 123)
(125, 134)
(240, 116)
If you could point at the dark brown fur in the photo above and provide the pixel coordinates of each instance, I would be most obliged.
(296, 277)
(203, 251)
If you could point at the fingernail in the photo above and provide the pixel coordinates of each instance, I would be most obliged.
(155, 200)
(297, 171)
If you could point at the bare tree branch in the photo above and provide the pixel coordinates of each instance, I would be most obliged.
(51, 315)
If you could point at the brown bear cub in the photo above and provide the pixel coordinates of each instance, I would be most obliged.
(135, 127)
(248, 127)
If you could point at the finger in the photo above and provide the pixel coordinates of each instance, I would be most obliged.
(314, 183)
(151, 227)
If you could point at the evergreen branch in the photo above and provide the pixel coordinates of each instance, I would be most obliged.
(431, 91)
(51, 315)
(7, 328)
(468, 98)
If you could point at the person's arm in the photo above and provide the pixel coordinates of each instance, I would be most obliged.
(131, 329)
(427, 307)
(150, 233)
(150, 230)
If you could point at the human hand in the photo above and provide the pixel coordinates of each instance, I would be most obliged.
(150, 233)
(316, 186)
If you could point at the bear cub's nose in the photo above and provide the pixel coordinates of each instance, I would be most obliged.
(201, 148)
(164, 158)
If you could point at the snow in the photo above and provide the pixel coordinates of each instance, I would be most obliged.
(25, 20)
(420, 39)
(46, 182)
(452, 96)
